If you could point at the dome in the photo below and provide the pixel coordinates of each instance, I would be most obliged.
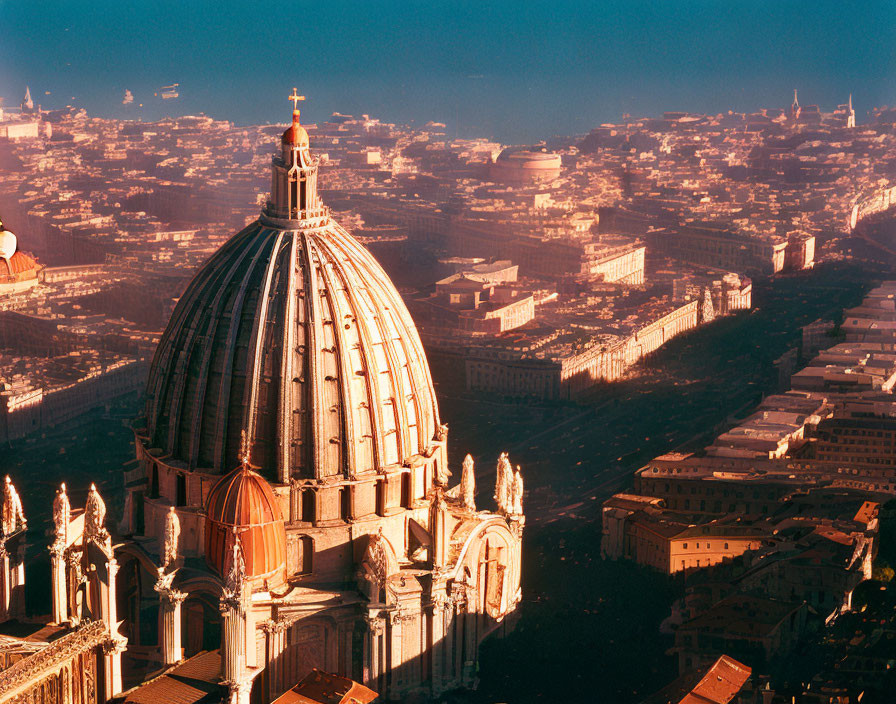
(8, 243)
(524, 164)
(295, 134)
(243, 503)
(293, 332)
(19, 265)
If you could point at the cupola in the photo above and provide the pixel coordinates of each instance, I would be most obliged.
(243, 503)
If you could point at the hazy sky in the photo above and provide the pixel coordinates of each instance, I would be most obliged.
(518, 70)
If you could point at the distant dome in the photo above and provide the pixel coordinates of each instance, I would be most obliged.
(243, 503)
(524, 164)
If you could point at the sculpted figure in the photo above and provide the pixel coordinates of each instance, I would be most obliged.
(62, 514)
(94, 514)
(518, 492)
(172, 534)
(13, 515)
(504, 484)
(376, 558)
(236, 570)
(499, 481)
(468, 484)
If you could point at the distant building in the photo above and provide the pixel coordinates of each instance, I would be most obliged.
(750, 628)
(569, 362)
(858, 435)
(523, 165)
(722, 247)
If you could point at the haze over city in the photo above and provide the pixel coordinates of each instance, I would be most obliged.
(448, 353)
(513, 71)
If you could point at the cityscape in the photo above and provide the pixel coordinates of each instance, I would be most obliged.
(348, 409)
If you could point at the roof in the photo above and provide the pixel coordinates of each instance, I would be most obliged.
(319, 687)
(194, 681)
(867, 512)
(720, 684)
(742, 616)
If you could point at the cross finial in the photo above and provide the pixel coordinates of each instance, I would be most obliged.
(244, 450)
(295, 98)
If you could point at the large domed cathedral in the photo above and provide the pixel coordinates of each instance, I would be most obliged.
(291, 502)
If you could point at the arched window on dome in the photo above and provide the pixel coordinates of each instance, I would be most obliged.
(308, 506)
(406, 489)
(181, 490)
(154, 482)
(306, 554)
(345, 503)
(381, 497)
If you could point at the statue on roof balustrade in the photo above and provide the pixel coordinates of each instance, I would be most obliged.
(518, 492)
(13, 514)
(62, 515)
(468, 484)
(172, 535)
(95, 515)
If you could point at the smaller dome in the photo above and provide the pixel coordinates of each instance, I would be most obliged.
(8, 243)
(295, 134)
(243, 503)
(18, 267)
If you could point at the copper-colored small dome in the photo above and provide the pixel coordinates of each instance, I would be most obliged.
(242, 502)
(295, 134)
(19, 265)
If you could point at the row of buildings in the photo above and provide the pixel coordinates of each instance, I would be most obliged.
(777, 521)
(531, 338)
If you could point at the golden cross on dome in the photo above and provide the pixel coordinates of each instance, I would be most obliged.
(244, 450)
(295, 98)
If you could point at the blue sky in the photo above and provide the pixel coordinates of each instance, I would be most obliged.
(519, 70)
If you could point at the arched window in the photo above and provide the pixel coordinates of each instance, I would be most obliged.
(181, 492)
(154, 482)
(308, 506)
(381, 498)
(345, 503)
(406, 489)
(306, 559)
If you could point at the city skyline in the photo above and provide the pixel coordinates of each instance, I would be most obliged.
(454, 353)
(515, 74)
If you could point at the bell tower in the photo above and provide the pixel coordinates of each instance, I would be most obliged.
(294, 175)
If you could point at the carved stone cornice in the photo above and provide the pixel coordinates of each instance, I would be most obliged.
(399, 617)
(73, 558)
(115, 645)
(172, 597)
(276, 626)
(57, 549)
(440, 601)
(32, 669)
(376, 625)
